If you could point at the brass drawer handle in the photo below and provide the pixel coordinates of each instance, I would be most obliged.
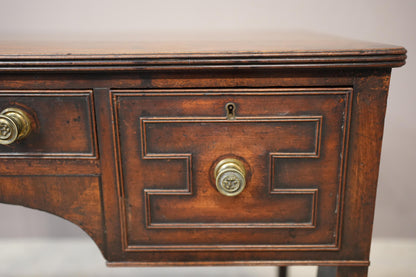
(230, 177)
(14, 125)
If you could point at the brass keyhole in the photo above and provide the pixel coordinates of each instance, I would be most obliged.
(230, 110)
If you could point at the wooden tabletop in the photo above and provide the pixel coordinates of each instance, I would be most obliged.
(154, 50)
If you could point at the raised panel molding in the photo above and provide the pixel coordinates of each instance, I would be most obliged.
(149, 122)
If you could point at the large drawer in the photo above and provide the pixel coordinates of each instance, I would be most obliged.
(291, 143)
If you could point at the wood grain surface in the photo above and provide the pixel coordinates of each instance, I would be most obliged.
(152, 51)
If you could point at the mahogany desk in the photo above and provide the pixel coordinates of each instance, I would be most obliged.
(257, 150)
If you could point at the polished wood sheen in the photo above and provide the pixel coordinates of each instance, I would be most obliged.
(126, 137)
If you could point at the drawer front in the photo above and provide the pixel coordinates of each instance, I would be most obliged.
(63, 124)
(291, 143)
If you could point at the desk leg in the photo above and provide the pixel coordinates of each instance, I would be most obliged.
(342, 271)
(327, 271)
(282, 271)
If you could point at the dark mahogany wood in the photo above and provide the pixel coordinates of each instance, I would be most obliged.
(126, 136)
(180, 135)
(63, 125)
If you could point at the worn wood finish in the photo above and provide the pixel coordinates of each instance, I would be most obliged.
(284, 170)
(149, 52)
(63, 125)
(125, 142)
(75, 198)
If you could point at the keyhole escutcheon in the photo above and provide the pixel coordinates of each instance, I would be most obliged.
(230, 110)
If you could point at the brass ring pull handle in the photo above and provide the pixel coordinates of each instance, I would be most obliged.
(230, 177)
(14, 125)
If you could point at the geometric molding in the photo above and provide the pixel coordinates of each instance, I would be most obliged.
(273, 182)
(187, 157)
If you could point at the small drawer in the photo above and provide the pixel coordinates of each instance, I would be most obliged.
(280, 152)
(62, 124)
